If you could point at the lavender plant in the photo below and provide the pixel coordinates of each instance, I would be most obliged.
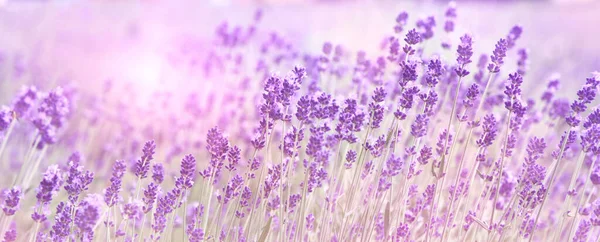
(435, 136)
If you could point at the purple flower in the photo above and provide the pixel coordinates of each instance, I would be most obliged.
(158, 173)
(379, 95)
(25, 100)
(232, 189)
(132, 210)
(142, 166)
(513, 92)
(77, 181)
(62, 222)
(434, 71)
(111, 194)
(497, 57)
(409, 73)
(465, 52)
(424, 155)
(419, 127)
(406, 102)
(522, 63)
(412, 37)
(87, 215)
(11, 233)
(149, 198)
(400, 22)
(440, 149)
(350, 159)
(6, 117)
(164, 207)
(471, 96)
(489, 131)
(583, 229)
(450, 16)
(46, 131)
(233, 156)
(513, 36)
(426, 26)
(402, 232)
(217, 146)
(55, 106)
(11, 201)
(310, 222)
(595, 176)
(50, 184)
(187, 172)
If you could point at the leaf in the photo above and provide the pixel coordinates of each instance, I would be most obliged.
(386, 218)
(265, 232)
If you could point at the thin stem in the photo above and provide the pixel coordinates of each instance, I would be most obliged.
(7, 135)
(581, 199)
(500, 171)
(551, 181)
(565, 206)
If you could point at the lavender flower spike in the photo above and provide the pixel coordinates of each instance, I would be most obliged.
(11, 202)
(111, 194)
(143, 164)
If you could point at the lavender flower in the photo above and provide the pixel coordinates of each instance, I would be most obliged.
(465, 51)
(11, 233)
(6, 117)
(187, 172)
(50, 184)
(233, 156)
(11, 201)
(87, 215)
(498, 57)
(77, 181)
(62, 221)
(149, 198)
(25, 100)
(158, 173)
(142, 166)
(583, 230)
(55, 106)
(419, 127)
(111, 194)
(489, 131)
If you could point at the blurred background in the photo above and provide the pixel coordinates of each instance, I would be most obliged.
(151, 41)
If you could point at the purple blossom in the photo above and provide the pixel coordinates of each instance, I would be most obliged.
(55, 106)
(87, 215)
(187, 172)
(465, 52)
(25, 100)
(471, 96)
(158, 173)
(62, 222)
(231, 190)
(583, 229)
(78, 180)
(489, 131)
(142, 166)
(497, 58)
(419, 127)
(149, 198)
(6, 117)
(11, 201)
(111, 194)
(233, 156)
(11, 233)
(50, 184)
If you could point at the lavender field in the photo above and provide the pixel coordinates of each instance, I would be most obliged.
(299, 121)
